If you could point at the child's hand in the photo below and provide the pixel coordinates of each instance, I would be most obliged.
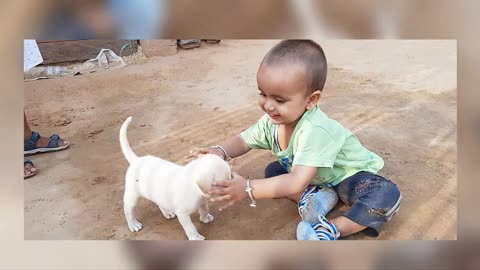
(229, 191)
(198, 152)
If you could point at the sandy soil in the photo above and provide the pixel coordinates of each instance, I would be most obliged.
(399, 97)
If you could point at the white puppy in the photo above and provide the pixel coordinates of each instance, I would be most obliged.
(177, 190)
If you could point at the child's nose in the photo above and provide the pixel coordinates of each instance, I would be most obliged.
(269, 106)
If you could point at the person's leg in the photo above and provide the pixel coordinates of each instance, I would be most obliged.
(374, 201)
(32, 140)
(346, 226)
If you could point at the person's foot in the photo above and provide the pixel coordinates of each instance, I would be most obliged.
(34, 143)
(316, 201)
(322, 229)
(29, 169)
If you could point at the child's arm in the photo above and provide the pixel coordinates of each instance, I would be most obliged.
(284, 185)
(234, 146)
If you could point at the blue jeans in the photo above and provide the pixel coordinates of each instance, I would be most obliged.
(373, 199)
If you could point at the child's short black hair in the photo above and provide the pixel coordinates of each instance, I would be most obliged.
(304, 52)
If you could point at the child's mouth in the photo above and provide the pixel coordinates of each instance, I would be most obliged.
(274, 116)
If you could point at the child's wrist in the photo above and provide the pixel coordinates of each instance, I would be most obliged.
(217, 152)
(220, 151)
(249, 191)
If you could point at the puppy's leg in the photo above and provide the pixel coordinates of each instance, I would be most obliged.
(130, 198)
(189, 228)
(167, 213)
(205, 217)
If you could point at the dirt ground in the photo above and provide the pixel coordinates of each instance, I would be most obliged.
(398, 97)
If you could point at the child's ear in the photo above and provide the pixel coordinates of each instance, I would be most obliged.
(313, 99)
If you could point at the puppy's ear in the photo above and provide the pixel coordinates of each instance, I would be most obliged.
(202, 184)
(201, 178)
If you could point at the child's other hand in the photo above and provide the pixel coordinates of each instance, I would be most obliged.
(229, 191)
(198, 152)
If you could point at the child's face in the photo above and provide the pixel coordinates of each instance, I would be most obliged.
(283, 93)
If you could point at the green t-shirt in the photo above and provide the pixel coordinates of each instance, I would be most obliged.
(316, 141)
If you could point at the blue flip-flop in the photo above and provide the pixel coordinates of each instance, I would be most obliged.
(316, 201)
(321, 230)
(25, 162)
(30, 146)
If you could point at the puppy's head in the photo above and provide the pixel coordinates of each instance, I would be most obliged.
(208, 169)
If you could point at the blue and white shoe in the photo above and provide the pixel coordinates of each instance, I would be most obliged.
(316, 201)
(322, 230)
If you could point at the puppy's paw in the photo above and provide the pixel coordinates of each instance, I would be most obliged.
(135, 225)
(168, 214)
(209, 218)
(196, 236)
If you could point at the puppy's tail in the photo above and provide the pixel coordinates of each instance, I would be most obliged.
(126, 149)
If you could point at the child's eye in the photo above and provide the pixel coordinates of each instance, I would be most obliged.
(280, 101)
(262, 94)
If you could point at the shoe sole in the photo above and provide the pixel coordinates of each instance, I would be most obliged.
(45, 150)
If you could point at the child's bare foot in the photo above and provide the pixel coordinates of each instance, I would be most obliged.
(38, 144)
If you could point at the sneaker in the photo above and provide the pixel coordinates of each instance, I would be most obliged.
(316, 201)
(322, 230)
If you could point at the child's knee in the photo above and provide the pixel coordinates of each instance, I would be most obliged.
(396, 198)
(388, 200)
(390, 190)
(381, 195)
